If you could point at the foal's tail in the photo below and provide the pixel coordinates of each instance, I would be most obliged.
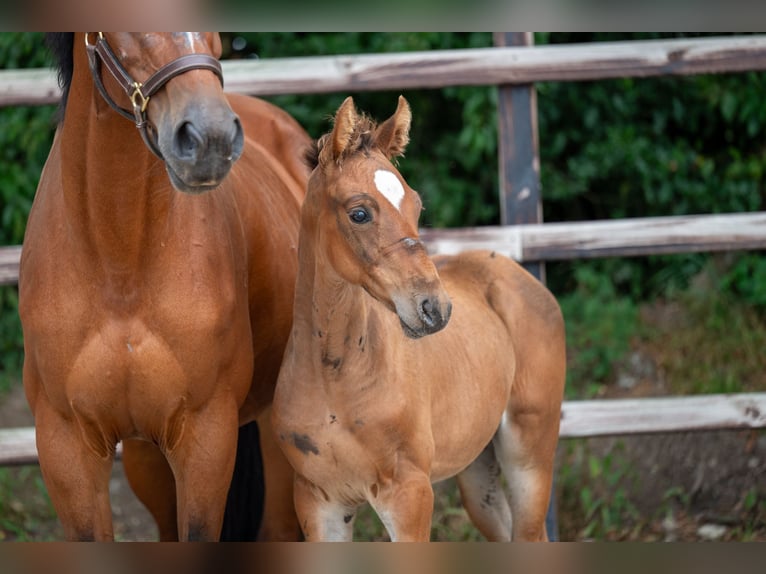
(244, 504)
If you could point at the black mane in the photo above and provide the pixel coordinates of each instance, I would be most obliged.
(61, 46)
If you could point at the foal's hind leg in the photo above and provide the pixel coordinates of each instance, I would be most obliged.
(76, 474)
(484, 498)
(525, 448)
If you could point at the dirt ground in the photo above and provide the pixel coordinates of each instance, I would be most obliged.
(681, 487)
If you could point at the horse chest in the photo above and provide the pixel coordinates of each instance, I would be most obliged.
(130, 353)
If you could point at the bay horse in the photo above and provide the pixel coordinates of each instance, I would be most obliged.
(156, 283)
(402, 370)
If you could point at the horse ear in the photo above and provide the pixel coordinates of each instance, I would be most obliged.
(215, 45)
(345, 120)
(393, 135)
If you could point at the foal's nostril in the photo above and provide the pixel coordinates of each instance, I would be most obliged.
(188, 141)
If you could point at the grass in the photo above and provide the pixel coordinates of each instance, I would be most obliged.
(26, 512)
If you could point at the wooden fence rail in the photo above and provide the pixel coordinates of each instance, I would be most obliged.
(602, 417)
(577, 240)
(529, 241)
(442, 68)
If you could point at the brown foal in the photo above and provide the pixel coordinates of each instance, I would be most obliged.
(402, 370)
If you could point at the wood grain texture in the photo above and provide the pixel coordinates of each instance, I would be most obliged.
(9, 264)
(442, 68)
(606, 417)
(608, 238)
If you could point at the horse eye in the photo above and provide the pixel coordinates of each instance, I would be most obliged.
(359, 215)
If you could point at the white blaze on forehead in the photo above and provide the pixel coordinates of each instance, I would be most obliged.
(390, 186)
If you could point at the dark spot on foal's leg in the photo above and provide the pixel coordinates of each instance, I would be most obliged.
(304, 444)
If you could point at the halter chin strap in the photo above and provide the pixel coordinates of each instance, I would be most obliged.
(140, 93)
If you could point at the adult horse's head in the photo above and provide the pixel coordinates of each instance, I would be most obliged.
(367, 218)
(171, 85)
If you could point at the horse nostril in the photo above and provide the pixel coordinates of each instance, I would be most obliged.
(429, 314)
(237, 141)
(188, 141)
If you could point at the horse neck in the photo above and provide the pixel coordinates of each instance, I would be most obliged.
(109, 177)
(336, 320)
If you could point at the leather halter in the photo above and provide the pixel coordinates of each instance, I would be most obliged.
(140, 93)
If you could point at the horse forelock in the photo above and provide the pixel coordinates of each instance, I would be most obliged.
(361, 140)
(61, 46)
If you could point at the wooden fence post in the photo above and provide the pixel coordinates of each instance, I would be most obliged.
(518, 150)
(519, 162)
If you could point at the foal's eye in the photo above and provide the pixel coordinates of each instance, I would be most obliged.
(359, 215)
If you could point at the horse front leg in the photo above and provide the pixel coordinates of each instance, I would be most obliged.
(76, 462)
(153, 483)
(202, 460)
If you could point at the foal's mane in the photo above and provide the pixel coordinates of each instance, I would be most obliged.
(362, 140)
(61, 46)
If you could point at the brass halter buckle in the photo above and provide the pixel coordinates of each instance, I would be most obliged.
(137, 93)
(100, 35)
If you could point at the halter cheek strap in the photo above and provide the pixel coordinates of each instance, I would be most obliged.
(140, 93)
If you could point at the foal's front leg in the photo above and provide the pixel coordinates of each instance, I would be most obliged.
(405, 506)
(321, 519)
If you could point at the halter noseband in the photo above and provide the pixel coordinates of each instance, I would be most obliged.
(140, 93)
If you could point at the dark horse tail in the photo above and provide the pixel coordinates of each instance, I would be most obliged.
(244, 505)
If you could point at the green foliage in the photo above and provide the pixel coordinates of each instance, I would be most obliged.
(716, 344)
(599, 326)
(25, 137)
(11, 342)
(649, 147)
(22, 515)
(746, 280)
(596, 489)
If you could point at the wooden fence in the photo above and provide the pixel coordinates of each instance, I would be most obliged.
(514, 65)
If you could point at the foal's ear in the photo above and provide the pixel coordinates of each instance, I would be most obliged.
(345, 120)
(215, 45)
(393, 135)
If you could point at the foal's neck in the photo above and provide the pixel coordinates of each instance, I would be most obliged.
(339, 322)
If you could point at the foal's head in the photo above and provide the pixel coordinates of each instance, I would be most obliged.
(191, 125)
(366, 218)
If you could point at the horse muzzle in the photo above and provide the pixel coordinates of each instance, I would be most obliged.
(200, 149)
(425, 315)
